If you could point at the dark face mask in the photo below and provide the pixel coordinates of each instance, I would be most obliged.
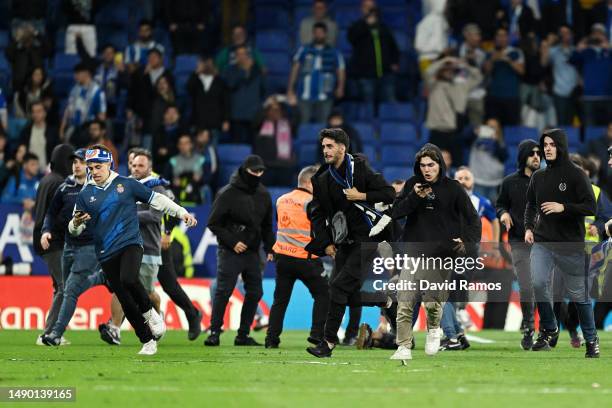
(250, 180)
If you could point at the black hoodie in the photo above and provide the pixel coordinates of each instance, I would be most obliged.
(513, 193)
(447, 214)
(61, 167)
(562, 182)
(242, 212)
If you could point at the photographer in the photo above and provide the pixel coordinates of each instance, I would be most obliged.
(440, 214)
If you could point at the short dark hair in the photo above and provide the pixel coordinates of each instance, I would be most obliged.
(156, 50)
(135, 151)
(336, 134)
(39, 102)
(145, 22)
(427, 152)
(29, 156)
(145, 153)
(98, 122)
(108, 45)
(319, 25)
(83, 67)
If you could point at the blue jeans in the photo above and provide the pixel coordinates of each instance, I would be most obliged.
(377, 89)
(83, 270)
(450, 324)
(545, 261)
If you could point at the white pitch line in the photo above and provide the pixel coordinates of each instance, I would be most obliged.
(477, 339)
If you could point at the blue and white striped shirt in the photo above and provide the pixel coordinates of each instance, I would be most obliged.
(85, 103)
(318, 71)
(137, 53)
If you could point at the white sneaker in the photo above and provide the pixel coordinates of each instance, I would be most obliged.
(149, 348)
(156, 323)
(402, 353)
(39, 340)
(65, 342)
(432, 341)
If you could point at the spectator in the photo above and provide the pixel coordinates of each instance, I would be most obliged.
(27, 50)
(186, 170)
(3, 112)
(38, 88)
(164, 97)
(537, 108)
(472, 52)
(320, 74)
(504, 66)
(484, 14)
(141, 93)
(560, 13)
(602, 14)
(336, 120)
(6, 162)
(21, 188)
(137, 53)
(431, 35)
(205, 147)
(597, 151)
(593, 58)
(80, 16)
(449, 81)
(519, 21)
(97, 136)
(210, 104)
(86, 102)
(38, 136)
(227, 56)
(189, 25)
(319, 15)
(565, 76)
(375, 55)
(109, 75)
(166, 138)
(274, 142)
(487, 157)
(28, 12)
(246, 84)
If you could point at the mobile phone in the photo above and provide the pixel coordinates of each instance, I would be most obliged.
(424, 186)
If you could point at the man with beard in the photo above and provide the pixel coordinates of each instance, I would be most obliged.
(241, 218)
(347, 198)
(511, 212)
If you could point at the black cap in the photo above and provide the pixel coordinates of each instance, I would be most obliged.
(254, 162)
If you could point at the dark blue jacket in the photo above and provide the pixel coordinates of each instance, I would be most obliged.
(60, 211)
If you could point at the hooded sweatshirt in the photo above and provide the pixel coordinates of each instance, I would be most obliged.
(513, 193)
(444, 215)
(242, 212)
(562, 182)
(61, 167)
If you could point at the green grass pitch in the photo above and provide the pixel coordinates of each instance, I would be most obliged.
(186, 374)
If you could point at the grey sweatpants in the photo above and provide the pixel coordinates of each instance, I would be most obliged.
(54, 263)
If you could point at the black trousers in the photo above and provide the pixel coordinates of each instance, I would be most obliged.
(168, 281)
(309, 271)
(352, 327)
(508, 111)
(229, 266)
(122, 273)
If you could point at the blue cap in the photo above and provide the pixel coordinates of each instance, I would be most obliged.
(79, 154)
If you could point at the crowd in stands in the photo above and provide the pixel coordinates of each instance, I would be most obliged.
(201, 82)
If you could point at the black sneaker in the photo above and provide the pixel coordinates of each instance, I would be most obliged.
(349, 341)
(53, 340)
(450, 345)
(109, 335)
(465, 344)
(313, 340)
(321, 350)
(272, 343)
(246, 341)
(527, 340)
(554, 338)
(542, 343)
(195, 327)
(212, 340)
(364, 337)
(592, 348)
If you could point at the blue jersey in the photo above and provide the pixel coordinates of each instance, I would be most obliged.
(483, 206)
(113, 212)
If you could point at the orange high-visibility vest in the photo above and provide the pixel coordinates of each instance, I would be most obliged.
(293, 232)
(491, 262)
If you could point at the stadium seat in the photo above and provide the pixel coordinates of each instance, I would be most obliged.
(225, 172)
(113, 13)
(277, 62)
(398, 133)
(273, 40)
(4, 39)
(185, 64)
(276, 192)
(180, 85)
(397, 155)
(396, 112)
(594, 132)
(366, 132)
(396, 18)
(307, 154)
(309, 132)
(346, 15)
(424, 134)
(392, 173)
(270, 17)
(370, 151)
(343, 43)
(573, 136)
(233, 153)
(15, 126)
(65, 62)
(513, 135)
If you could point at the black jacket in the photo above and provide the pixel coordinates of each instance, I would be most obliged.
(142, 94)
(562, 182)
(242, 213)
(328, 199)
(446, 215)
(363, 61)
(61, 167)
(75, 15)
(512, 197)
(554, 14)
(209, 108)
(29, 9)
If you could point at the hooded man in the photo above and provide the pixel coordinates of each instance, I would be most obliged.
(511, 212)
(61, 167)
(558, 199)
(439, 214)
(241, 218)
